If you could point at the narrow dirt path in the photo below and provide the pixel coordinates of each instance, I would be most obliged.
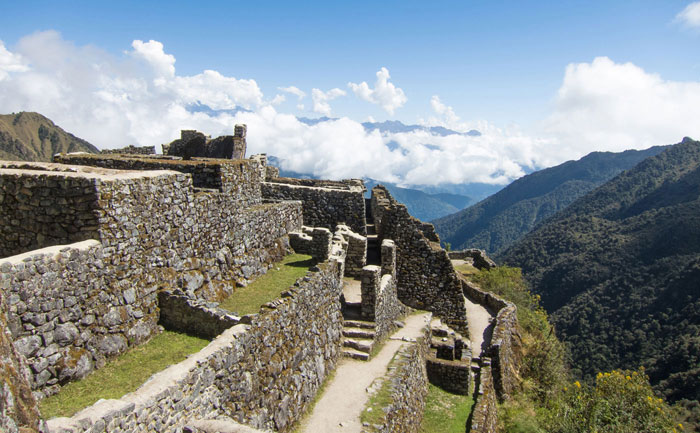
(479, 322)
(340, 406)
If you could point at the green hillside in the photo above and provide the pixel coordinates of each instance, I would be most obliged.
(619, 271)
(29, 136)
(501, 219)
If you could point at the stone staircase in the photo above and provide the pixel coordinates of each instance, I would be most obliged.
(358, 339)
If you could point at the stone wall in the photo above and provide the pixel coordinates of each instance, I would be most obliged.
(132, 150)
(195, 144)
(324, 206)
(484, 416)
(356, 257)
(181, 313)
(18, 409)
(72, 307)
(314, 241)
(478, 257)
(39, 209)
(263, 374)
(426, 278)
(240, 179)
(449, 359)
(408, 390)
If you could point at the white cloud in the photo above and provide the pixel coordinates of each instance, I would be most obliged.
(278, 99)
(384, 94)
(690, 16)
(605, 105)
(152, 52)
(134, 99)
(10, 63)
(321, 99)
(300, 94)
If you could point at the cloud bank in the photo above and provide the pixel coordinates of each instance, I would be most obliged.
(140, 99)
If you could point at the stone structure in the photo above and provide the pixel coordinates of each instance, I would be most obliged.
(484, 416)
(96, 255)
(449, 360)
(426, 278)
(478, 257)
(408, 382)
(72, 307)
(132, 150)
(325, 203)
(193, 144)
(263, 373)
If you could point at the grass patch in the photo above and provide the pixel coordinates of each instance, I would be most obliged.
(267, 287)
(466, 269)
(373, 413)
(123, 374)
(445, 412)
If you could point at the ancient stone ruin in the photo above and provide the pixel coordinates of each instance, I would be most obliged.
(195, 144)
(98, 252)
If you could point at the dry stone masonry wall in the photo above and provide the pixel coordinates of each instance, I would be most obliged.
(132, 150)
(263, 374)
(325, 203)
(426, 278)
(39, 209)
(408, 388)
(70, 310)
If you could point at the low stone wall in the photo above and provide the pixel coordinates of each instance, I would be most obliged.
(240, 179)
(409, 388)
(263, 374)
(314, 241)
(179, 312)
(505, 348)
(479, 257)
(356, 251)
(39, 209)
(452, 376)
(426, 278)
(484, 416)
(18, 409)
(132, 150)
(323, 206)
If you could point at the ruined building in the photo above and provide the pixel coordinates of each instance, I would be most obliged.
(98, 251)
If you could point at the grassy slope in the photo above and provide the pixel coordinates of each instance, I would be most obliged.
(30, 136)
(247, 300)
(123, 374)
(619, 271)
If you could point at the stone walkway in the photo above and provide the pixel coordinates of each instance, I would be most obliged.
(340, 406)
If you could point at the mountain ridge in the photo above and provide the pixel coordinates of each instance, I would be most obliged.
(29, 136)
(618, 270)
(506, 216)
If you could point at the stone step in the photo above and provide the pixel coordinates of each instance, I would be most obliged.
(352, 332)
(355, 354)
(361, 345)
(359, 324)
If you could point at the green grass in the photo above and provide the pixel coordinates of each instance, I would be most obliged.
(466, 269)
(268, 287)
(445, 412)
(123, 374)
(373, 413)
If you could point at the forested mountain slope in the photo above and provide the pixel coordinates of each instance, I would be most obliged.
(619, 271)
(30, 136)
(501, 219)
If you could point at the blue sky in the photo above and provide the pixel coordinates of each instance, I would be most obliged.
(503, 64)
